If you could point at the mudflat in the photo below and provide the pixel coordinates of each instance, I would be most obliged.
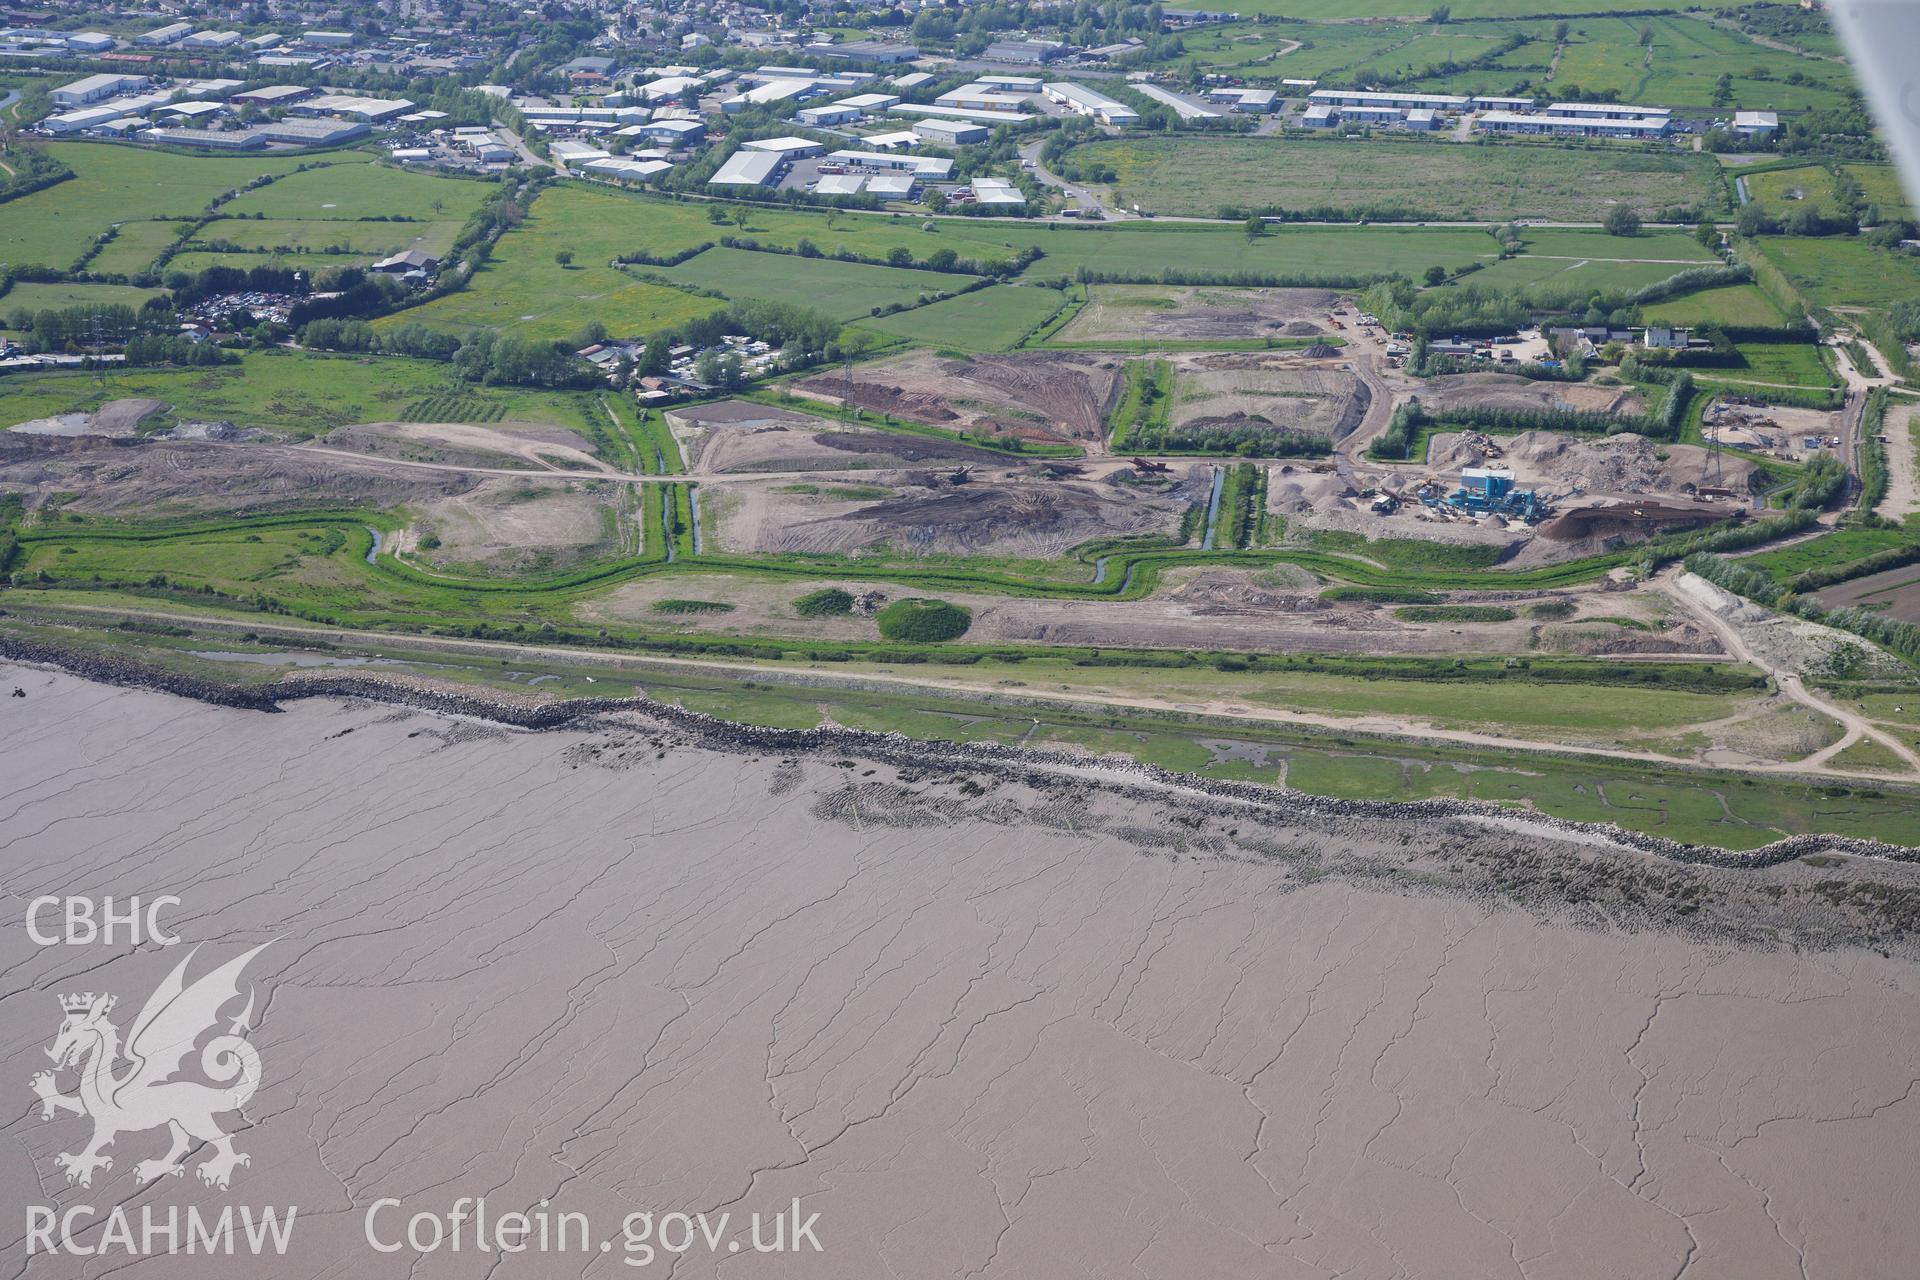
(983, 1023)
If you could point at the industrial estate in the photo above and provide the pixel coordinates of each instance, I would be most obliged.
(1468, 404)
(960, 639)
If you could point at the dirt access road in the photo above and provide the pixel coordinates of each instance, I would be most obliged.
(1857, 727)
(1385, 727)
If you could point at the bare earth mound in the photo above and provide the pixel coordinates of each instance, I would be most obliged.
(510, 445)
(1272, 390)
(1005, 513)
(1621, 464)
(1510, 391)
(517, 527)
(1040, 396)
(1174, 313)
(152, 480)
(980, 1026)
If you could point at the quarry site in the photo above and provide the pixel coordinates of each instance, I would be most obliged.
(959, 642)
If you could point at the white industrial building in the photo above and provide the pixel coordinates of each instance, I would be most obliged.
(839, 184)
(979, 97)
(626, 170)
(747, 169)
(930, 168)
(950, 133)
(1756, 124)
(1253, 101)
(211, 40)
(828, 114)
(996, 193)
(1569, 126)
(172, 33)
(1182, 107)
(961, 113)
(893, 186)
(95, 89)
(1398, 101)
(788, 148)
(1088, 102)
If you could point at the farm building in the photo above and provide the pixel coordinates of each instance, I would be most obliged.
(950, 133)
(747, 169)
(1088, 102)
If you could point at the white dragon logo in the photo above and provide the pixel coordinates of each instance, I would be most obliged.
(148, 1096)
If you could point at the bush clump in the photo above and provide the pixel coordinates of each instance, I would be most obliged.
(827, 602)
(692, 606)
(923, 621)
(1454, 613)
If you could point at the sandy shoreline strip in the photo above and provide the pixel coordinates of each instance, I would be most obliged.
(985, 1020)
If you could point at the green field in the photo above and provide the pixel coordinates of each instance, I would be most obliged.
(359, 239)
(1569, 280)
(369, 191)
(1844, 271)
(1796, 364)
(1735, 304)
(1436, 179)
(524, 290)
(1780, 191)
(297, 393)
(842, 290)
(990, 319)
(54, 296)
(119, 184)
(1811, 186)
(192, 261)
(135, 246)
